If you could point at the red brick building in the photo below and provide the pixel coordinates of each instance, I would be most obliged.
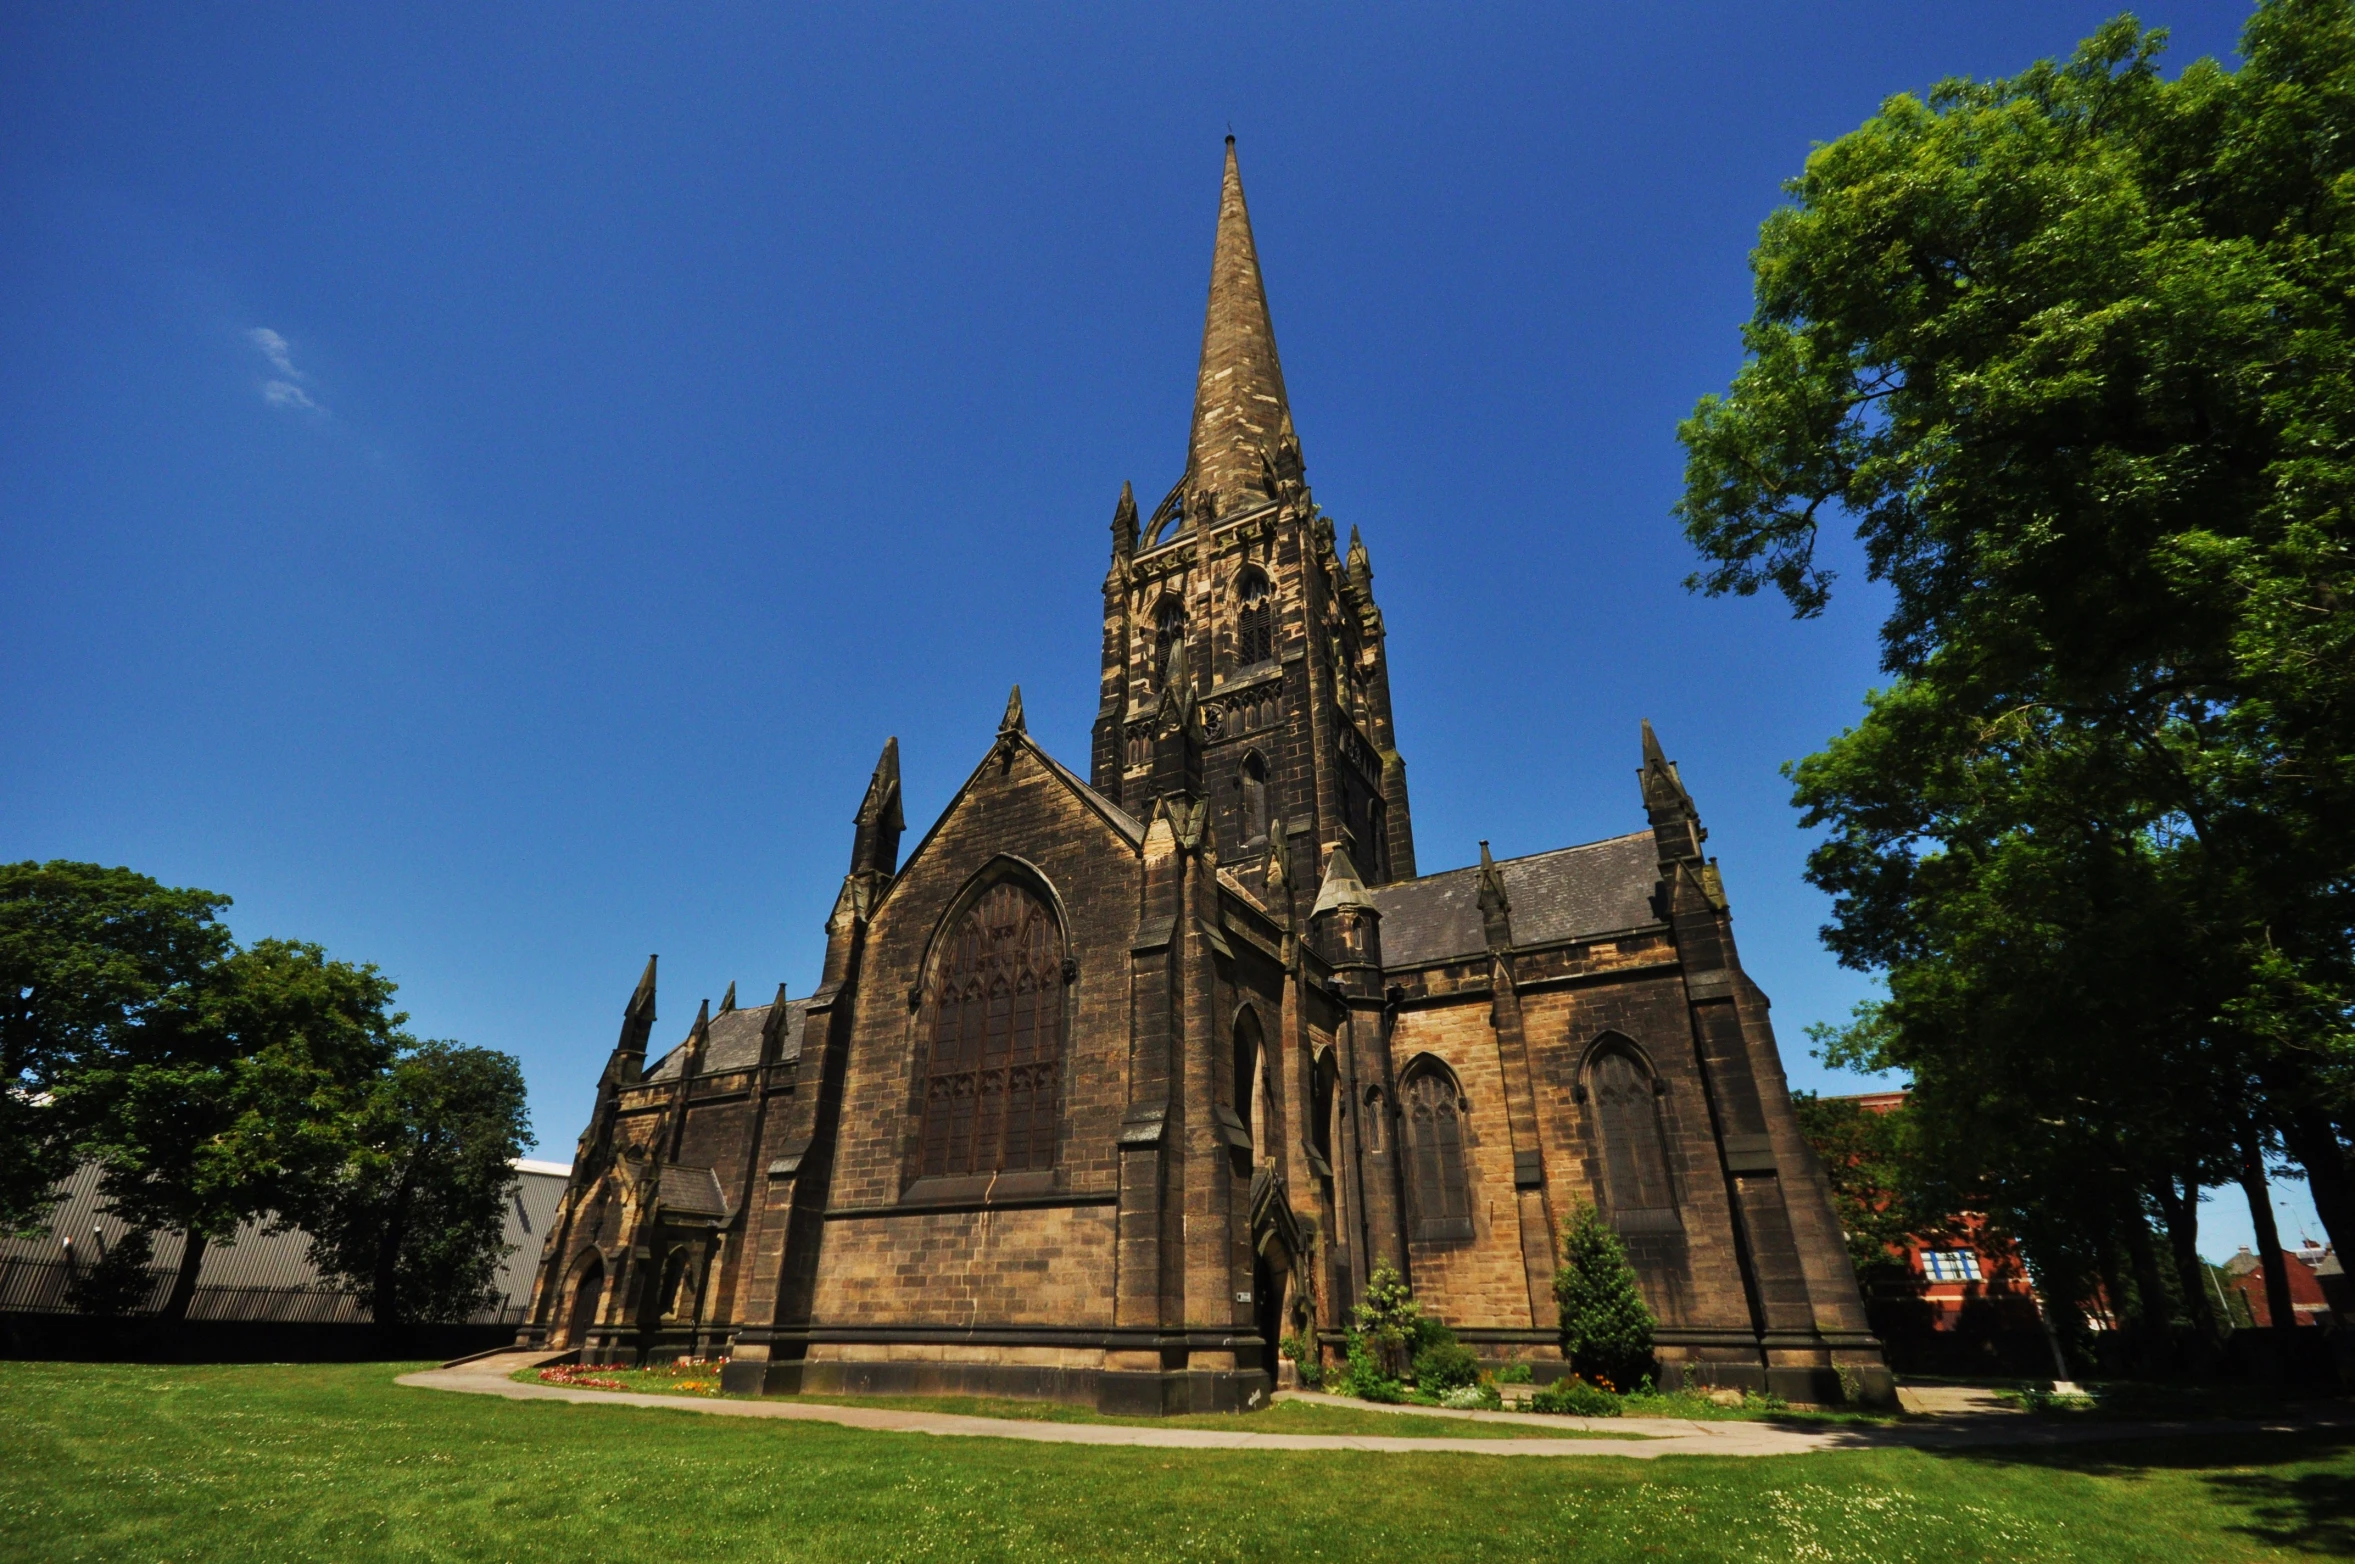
(1109, 1083)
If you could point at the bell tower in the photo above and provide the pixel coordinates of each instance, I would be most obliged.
(1283, 643)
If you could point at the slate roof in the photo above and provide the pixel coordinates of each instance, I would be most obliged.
(1569, 893)
(734, 1043)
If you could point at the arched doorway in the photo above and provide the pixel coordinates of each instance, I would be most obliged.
(587, 1294)
(1269, 1274)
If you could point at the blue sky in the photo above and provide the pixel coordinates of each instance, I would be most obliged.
(479, 487)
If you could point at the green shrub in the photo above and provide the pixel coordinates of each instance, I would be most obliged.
(1301, 1348)
(1443, 1363)
(1606, 1326)
(1514, 1374)
(1575, 1398)
(1365, 1380)
(1390, 1320)
(1472, 1398)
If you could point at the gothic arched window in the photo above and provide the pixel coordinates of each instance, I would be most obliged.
(1255, 622)
(997, 1040)
(1247, 1050)
(1439, 1187)
(1635, 1160)
(1169, 628)
(1326, 1087)
(1251, 780)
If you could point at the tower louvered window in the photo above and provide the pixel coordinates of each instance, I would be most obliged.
(1255, 623)
(1169, 628)
(996, 1041)
(1435, 1155)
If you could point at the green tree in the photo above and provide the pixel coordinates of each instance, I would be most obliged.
(239, 1097)
(416, 1218)
(1606, 1326)
(87, 957)
(1879, 1191)
(2073, 354)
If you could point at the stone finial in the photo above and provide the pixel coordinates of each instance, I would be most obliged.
(1124, 523)
(875, 844)
(1496, 908)
(641, 1005)
(728, 1000)
(1013, 722)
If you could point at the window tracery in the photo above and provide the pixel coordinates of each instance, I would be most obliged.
(1435, 1153)
(1255, 622)
(996, 1033)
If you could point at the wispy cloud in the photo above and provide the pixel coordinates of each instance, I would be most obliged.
(286, 388)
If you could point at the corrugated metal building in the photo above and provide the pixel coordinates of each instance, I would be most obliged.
(258, 1276)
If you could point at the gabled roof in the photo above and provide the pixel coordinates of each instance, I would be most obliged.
(734, 1042)
(1569, 893)
(1120, 820)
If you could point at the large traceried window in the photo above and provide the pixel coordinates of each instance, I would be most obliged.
(1255, 622)
(996, 1035)
(1434, 1114)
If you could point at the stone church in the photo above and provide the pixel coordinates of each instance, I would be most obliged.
(1112, 1082)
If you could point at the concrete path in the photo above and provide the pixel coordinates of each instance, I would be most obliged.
(1653, 1437)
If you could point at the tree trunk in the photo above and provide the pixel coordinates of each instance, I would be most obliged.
(386, 1306)
(2154, 1317)
(2181, 1207)
(2277, 1271)
(184, 1281)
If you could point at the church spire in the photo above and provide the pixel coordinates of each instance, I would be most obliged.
(1242, 447)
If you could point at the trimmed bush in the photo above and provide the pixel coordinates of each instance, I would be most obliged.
(1606, 1326)
(1574, 1397)
(1443, 1363)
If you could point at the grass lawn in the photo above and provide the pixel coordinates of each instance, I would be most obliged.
(336, 1462)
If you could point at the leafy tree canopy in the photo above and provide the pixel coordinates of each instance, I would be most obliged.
(2074, 354)
(87, 956)
(240, 1096)
(415, 1220)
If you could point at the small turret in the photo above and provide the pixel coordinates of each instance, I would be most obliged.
(875, 846)
(1347, 924)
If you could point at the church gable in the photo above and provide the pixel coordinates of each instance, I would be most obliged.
(1025, 830)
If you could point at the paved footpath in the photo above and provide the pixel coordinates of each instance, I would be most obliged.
(1652, 1437)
